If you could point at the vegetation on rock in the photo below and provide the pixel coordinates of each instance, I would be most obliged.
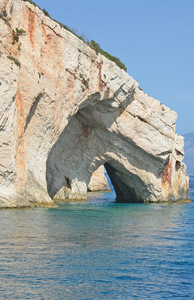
(16, 34)
(31, 2)
(98, 49)
(92, 43)
(14, 60)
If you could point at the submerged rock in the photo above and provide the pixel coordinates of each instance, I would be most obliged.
(65, 111)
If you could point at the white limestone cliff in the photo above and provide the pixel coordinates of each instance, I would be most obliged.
(65, 111)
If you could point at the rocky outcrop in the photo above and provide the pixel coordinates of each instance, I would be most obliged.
(65, 111)
(98, 181)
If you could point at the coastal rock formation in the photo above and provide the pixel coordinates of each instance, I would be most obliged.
(66, 110)
(98, 181)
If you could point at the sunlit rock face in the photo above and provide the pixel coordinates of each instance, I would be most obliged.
(65, 111)
(98, 181)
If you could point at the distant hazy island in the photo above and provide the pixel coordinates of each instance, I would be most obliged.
(189, 152)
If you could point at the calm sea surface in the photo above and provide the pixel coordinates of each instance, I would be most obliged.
(98, 250)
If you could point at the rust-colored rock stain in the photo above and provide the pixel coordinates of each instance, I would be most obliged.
(100, 82)
(86, 131)
(106, 94)
(44, 32)
(31, 26)
(20, 157)
(122, 114)
(167, 177)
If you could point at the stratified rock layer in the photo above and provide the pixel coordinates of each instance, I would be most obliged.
(65, 111)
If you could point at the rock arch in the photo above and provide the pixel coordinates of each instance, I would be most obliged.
(65, 110)
(94, 136)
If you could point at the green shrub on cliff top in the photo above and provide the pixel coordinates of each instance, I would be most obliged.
(98, 49)
(31, 2)
(46, 13)
(92, 44)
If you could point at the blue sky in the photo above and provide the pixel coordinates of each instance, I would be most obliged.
(154, 38)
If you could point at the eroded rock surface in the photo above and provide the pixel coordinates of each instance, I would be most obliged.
(65, 111)
(98, 181)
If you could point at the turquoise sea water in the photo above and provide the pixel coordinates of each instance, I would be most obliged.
(98, 250)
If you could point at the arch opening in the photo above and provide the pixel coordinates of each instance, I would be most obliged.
(88, 142)
(123, 192)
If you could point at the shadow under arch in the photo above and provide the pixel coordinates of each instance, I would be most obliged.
(124, 193)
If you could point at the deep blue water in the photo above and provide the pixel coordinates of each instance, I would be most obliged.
(98, 250)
